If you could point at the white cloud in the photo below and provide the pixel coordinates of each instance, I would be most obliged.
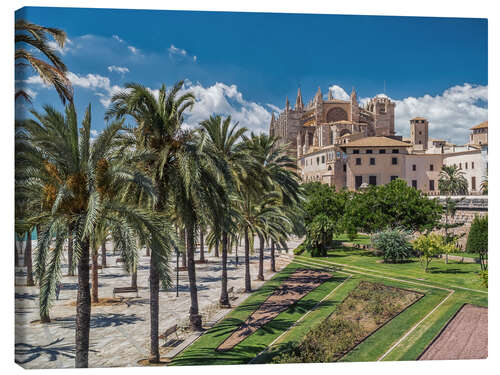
(116, 37)
(134, 50)
(32, 93)
(338, 92)
(67, 46)
(450, 114)
(226, 100)
(118, 69)
(274, 108)
(176, 51)
(195, 58)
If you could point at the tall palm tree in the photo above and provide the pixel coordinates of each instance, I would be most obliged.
(276, 168)
(225, 142)
(32, 40)
(452, 181)
(75, 183)
(159, 131)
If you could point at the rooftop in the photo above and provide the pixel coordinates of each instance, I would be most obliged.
(419, 118)
(377, 142)
(480, 126)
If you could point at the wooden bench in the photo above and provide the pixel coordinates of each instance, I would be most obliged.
(125, 290)
(168, 332)
(119, 260)
(230, 290)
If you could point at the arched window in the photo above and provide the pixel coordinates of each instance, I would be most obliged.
(336, 114)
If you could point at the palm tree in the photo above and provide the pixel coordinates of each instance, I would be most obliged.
(484, 186)
(276, 168)
(225, 143)
(452, 181)
(159, 132)
(30, 38)
(75, 183)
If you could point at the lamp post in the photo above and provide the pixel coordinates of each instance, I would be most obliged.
(177, 283)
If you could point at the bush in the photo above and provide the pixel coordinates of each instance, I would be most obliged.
(300, 249)
(394, 245)
(477, 240)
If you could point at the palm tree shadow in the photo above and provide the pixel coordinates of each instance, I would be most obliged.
(100, 320)
(53, 350)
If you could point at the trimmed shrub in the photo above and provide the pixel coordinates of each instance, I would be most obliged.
(394, 245)
(483, 275)
(477, 240)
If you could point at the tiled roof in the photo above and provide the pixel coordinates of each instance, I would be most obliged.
(418, 118)
(480, 126)
(377, 142)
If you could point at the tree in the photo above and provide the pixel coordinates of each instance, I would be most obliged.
(394, 245)
(484, 186)
(319, 234)
(452, 181)
(430, 246)
(449, 211)
(31, 39)
(477, 240)
(174, 166)
(225, 144)
(76, 182)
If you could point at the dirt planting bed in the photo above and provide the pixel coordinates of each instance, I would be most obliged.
(300, 283)
(365, 310)
(464, 337)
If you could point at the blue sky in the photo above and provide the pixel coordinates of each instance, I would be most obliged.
(245, 64)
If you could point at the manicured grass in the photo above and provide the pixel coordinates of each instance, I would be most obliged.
(447, 275)
(202, 352)
(360, 239)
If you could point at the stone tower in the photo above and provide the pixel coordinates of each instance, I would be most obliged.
(419, 131)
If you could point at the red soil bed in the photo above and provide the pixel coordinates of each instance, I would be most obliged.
(300, 283)
(464, 337)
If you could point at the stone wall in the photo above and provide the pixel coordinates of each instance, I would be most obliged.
(468, 208)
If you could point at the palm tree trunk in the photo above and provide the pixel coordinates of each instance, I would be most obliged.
(224, 297)
(273, 260)
(16, 256)
(71, 269)
(260, 276)
(148, 251)
(236, 251)
(134, 279)
(29, 261)
(83, 309)
(95, 277)
(202, 246)
(248, 285)
(194, 316)
(216, 247)
(25, 259)
(103, 255)
(154, 295)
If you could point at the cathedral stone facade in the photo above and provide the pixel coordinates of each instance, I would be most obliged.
(323, 123)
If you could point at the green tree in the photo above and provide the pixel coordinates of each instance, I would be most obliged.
(319, 234)
(32, 40)
(452, 181)
(430, 246)
(75, 182)
(225, 142)
(477, 240)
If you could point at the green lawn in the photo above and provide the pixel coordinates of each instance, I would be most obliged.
(351, 263)
(202, 352)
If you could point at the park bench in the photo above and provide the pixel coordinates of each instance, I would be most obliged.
(168, 332)
(119, 260)
(231, 291)
(128, 289)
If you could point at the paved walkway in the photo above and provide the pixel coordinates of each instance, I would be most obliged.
(119, 334)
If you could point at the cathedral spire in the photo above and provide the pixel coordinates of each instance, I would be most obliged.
(318, 98)
(298, 103)
(287, 105)
(354, 97)
(330, 94)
